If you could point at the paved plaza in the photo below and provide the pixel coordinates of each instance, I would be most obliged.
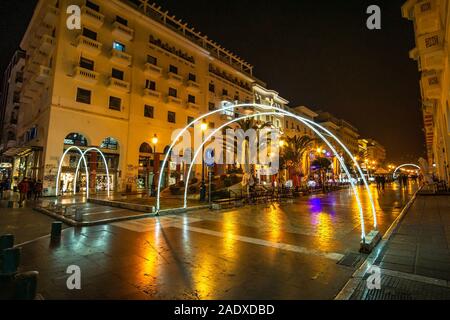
(272, 251)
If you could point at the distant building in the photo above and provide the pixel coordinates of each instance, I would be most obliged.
(432, 26)
(10, 106)
(372, 150)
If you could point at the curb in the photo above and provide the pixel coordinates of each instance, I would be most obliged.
(358, 276)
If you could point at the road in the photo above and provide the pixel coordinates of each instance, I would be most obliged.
(273, 251)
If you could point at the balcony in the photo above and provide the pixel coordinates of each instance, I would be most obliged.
(120, 58)
(193, 106)
(431, 85)
(122, 31)
(43, 74)
(47, 44)
(44, 29)
(119, 85)
(193, 86)
(152, 95)
(431, 51)
(153, 71)
(174, 101)
(88, 45)
(426, 17)
(51, 15)
(174, 79)
(85, 75)
(91, 17)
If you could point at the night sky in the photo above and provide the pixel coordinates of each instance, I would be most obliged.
(315, 53)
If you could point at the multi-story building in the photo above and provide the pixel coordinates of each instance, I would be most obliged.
(10, 104)
(132, 73)
(432, 27)
(372, 151)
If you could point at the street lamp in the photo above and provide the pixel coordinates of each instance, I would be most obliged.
(154, 142)
(203, 128)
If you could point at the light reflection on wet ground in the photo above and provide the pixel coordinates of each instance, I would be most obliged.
(275, 251)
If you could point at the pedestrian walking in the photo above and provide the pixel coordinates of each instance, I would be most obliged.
(383, 183)
(38, 190)
(23, 187)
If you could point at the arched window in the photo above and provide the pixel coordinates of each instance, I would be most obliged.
(166, 149)
(110, 143)
(76, 139)
(145, 148)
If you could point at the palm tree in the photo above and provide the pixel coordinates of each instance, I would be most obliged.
(323, 164)
(294, 151)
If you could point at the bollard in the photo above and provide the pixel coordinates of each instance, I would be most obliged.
(26, 285)
(78, 215)
(56, 231)
(6, 242)
(11, 260)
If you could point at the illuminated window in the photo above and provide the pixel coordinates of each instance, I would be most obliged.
(118, 46)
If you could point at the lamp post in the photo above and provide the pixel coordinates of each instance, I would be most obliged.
(154, 142)
(203, 128)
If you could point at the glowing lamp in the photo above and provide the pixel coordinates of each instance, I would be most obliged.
(155, 139)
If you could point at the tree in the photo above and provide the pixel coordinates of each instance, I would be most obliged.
(322, 164)
(296, 147)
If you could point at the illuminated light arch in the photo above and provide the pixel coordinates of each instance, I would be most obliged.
(307, 122)
(60, 168)
(108, 183)
(341, 161)
(405, 165)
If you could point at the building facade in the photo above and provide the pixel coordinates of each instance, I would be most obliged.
(123, 83)
(432, 27)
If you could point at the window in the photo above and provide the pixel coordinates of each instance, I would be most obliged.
(173, 92)
(211, 106)
(173, 69)
(151, 85)
(115, 103)
(190, 120)
(192, 77)
(117, 74)
(211, 125)
(148, 111)
(92, 6)
(118, 46)
(84, 96)
(212, 88)
(121, 20)
(191, 98)
(86, 63)
(88, 33)
(171, 117)
(225, 92)
(287, 124)
(152, 60)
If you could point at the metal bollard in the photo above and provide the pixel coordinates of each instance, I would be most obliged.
(6, 242)
(79, 215)
(26, 285)
(56, 231)
(11, 260)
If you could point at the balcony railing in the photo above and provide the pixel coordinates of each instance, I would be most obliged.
(174, 78)
(427, 17)
(85, 75)
(119, 85)
(174, 101)
(153, 71)
(192, 86)
(91, 17)
(122, 31)
(431, 85)
(43, 74)
(193, 106)
(51, 15)
(88, 45)
(47, 44)
(152, 95)
(120, 57)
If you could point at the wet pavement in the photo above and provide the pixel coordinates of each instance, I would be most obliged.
(275, 251)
